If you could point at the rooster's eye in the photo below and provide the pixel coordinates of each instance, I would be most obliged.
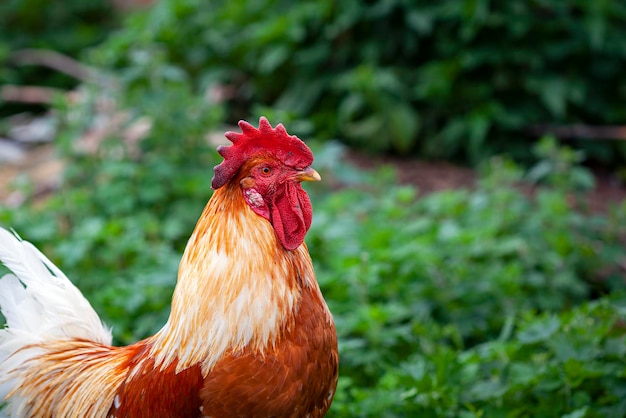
(266, 170)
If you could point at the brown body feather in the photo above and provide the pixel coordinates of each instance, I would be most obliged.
(296, 377)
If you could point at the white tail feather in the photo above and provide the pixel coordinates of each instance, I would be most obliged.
(40, 305)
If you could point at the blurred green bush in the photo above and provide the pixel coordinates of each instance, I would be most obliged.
(474, 303)
(459, 79)
(67, 27)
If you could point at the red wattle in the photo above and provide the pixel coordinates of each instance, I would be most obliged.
(291, 215)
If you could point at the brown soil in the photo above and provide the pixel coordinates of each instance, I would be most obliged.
(430, 177)
(40, 167)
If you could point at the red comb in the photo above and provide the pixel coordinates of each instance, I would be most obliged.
(265, 141)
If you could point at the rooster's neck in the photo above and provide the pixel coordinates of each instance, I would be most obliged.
(237, 286)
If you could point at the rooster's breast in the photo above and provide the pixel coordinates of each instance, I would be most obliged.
(297, 377)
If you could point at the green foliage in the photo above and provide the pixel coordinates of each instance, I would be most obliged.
(41, 24)
(455, 79)
(566, 365)
(560, 167)
(472, 303)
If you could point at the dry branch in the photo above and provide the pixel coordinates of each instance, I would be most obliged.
(58, 62)
(580, 131)
(29, 94)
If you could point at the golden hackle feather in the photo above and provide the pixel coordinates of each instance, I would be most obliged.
(247, 298)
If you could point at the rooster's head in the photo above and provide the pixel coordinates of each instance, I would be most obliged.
(267, 165)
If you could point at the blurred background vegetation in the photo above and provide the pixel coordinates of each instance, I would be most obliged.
(502, 300)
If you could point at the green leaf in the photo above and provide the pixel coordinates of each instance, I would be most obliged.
(539, 330)
(578, 413)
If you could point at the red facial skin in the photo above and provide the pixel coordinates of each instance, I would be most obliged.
(273, 191)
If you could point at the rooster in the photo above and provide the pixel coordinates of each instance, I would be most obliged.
(249, 333)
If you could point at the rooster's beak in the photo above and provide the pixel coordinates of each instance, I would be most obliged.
(308, 174)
